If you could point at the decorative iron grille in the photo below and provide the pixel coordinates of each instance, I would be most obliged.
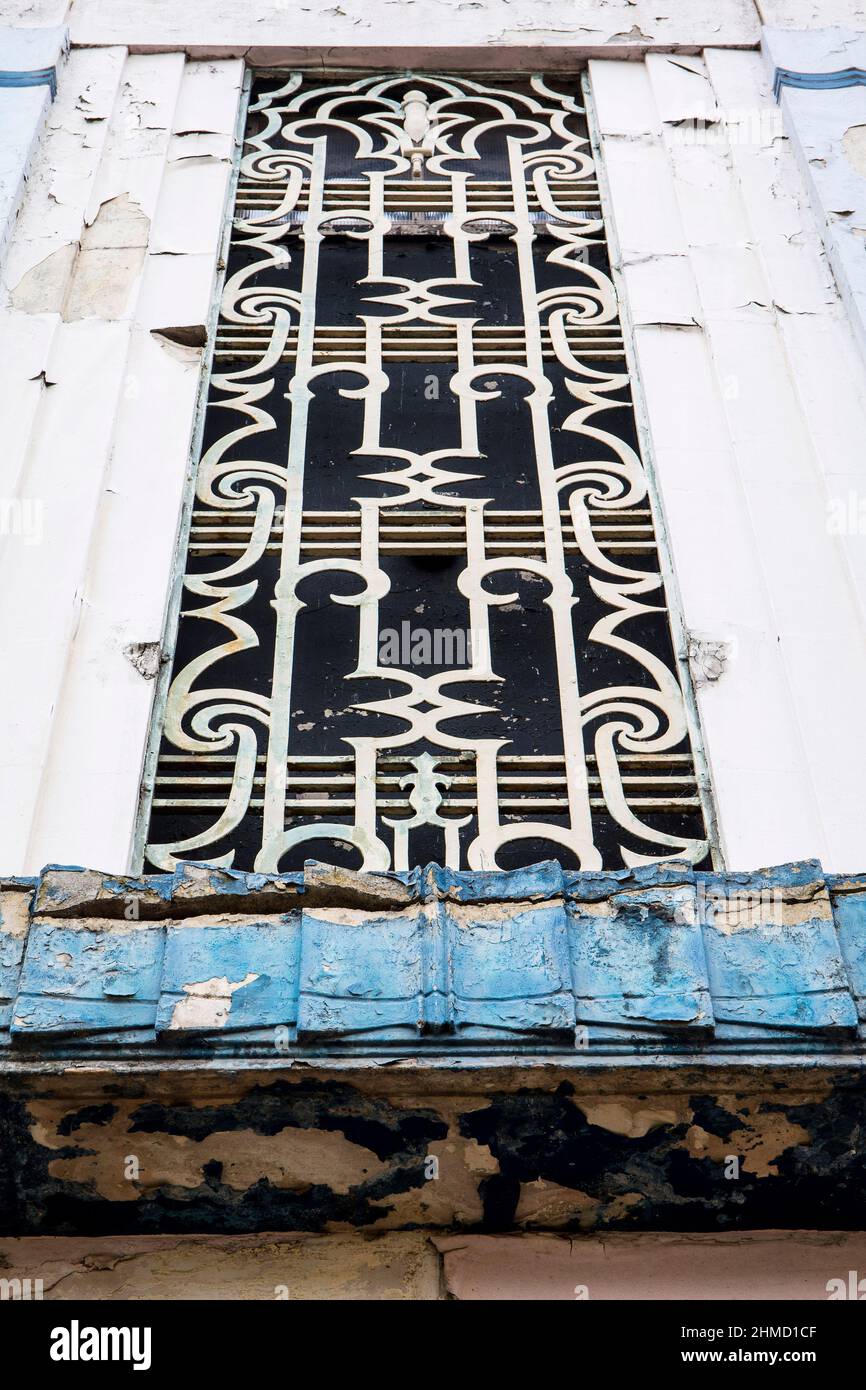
(423, 617)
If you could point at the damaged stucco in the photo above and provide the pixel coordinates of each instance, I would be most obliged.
(652, 1049)
(413, 1265)
(655, 960)
(463, 33)
(95, 277)
(329, 1056)
(29, 62)
(820, 79)
(105, 305)
(708, 659)
(373, 1149)
(753, 396)
(389, 1267)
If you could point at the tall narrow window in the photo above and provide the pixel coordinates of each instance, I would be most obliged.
(423, 618)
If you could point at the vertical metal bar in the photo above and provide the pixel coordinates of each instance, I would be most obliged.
(674, 603)
(285, 601)
(577, 784)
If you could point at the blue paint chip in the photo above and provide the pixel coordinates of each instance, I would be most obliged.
(231, 979)
(65, 972)
(849, 910)
(642, 967)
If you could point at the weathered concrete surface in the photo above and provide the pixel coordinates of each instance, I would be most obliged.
(332, 1268)
(811, 14)
(114, 254)
(486, 1149)
(730, 21)
(827, 127)
(29, 59)
(465, 33)
(35, 12)
(787, 1265)
(655, 960)
(755, 396)
(650, 1049)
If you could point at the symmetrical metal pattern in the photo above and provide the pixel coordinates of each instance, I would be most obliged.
(424, 618)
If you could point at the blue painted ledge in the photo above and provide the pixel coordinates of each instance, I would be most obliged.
(817, 60)
(41, 77)
(538, 961)
(30, 57)
(818, 81)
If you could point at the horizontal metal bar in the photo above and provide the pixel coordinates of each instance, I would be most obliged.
(426, 511)
(419, 329)
(490, 358)
(515, 781)
(337, 548)
(444, 760)
(427, 183)
(328, 805)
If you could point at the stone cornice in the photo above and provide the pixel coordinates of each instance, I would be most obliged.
(436, 965)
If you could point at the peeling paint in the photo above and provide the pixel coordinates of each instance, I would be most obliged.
(854, 147)
(432, 979)
(314, 1153)
(491, 1051)
(708, 659)
(209, 1002)
(146, 657)
(351, 33)
(93, 277)
(41, 290)
(658, 958)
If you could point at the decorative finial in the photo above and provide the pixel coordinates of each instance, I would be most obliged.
(416, 124)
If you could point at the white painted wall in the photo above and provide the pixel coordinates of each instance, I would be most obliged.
(23, 109)
(811, 14)
(116, 240)
(754, 391)
(756, 401)
(258, 32)
(827, 128)
(388, 32)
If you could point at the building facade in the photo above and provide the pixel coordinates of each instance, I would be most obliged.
(433, 598)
